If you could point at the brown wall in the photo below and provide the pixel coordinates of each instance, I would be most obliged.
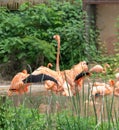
(14, 4)
(106, 21)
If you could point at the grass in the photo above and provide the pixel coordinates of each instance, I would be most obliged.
(48, 111)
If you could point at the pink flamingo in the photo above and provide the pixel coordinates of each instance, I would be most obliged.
(99, 68)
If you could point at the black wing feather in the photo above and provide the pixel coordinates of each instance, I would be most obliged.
(39, 78)
(82, 74)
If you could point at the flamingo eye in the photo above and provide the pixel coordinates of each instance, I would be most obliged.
(84, 63)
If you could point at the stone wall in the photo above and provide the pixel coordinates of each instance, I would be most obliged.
(106, 22)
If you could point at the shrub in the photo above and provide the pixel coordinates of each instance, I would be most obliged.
(27, 35)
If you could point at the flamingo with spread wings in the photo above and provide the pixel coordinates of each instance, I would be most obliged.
(64, 78)
(19, 85)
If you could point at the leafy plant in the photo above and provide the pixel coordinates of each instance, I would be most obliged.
(27, 35)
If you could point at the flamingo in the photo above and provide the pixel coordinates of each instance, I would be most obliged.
(68, 84)
(99, 68)
(102, 89)
(17, 85)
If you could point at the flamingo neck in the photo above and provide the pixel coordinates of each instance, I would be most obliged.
(58, 56)
(106, 66)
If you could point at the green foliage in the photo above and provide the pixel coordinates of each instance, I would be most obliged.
(59, 112)
(67, 121)
(16, 118)
(113, 61)
(27, 35)
(76, 43)
(12, 118)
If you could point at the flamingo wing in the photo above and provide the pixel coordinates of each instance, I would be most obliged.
(39, 78)
(81, 75)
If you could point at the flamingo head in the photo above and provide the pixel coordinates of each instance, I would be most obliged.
(80, 67)
(84, 65)
(49, 65)
(107, 65)
(24, 71)
(111, 82)
(56, 37)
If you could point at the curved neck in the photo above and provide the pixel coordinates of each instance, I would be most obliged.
(105, 67)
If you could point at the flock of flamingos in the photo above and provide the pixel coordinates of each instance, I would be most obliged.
(66, 82)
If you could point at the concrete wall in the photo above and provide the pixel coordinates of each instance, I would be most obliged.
(106, 21)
